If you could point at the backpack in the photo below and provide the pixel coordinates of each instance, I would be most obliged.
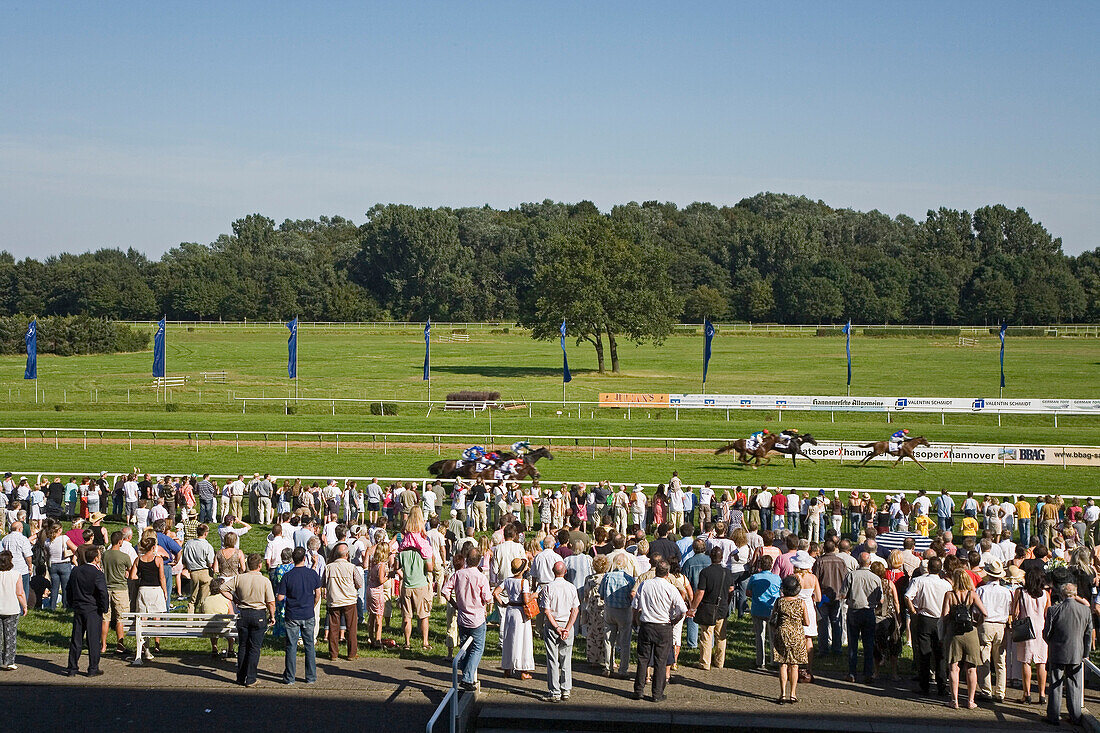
(960, 618)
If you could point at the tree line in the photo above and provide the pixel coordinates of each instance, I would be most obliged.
(628, 273)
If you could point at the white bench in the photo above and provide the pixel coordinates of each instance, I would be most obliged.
(213, 376)
(142, 626)
(164, 382)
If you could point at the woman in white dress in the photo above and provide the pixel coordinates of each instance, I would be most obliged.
(516, 639)
(810, 594)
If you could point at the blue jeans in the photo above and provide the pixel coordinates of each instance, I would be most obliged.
(59, 580)
(168, 585)
(855, 521)
(300, 630)
(943, 523)
(828, 625)
(691, 632)
(206, 510)
(27, 586)
(471, 658)
(792, 522)
(861, 623)
(1025, 530)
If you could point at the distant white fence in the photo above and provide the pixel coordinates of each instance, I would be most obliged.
(848, 450)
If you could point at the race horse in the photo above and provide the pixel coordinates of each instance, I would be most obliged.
(450, 468)
(530, 457)
(794, 448)
(745, 455)
(907, 449)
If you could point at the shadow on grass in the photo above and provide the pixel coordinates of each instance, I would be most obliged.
(507, 372)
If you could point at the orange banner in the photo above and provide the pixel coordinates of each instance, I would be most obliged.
(629, 399)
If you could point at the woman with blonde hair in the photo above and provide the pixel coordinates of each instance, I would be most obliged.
(229, 560)
(516, 636)
(377, 575)
(961, 635)
(152, 590)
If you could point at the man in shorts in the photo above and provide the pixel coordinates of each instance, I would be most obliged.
(374, 501)
(416, 592)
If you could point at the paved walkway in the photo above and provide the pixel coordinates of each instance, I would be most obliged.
(193, 690)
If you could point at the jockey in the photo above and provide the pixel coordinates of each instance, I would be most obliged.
(784, 438)
(755, 439)
(521, 448)
(507, 469)
(488, 460)
(897, 439)
(473, 454)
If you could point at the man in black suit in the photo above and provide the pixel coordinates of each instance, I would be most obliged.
(88, 599)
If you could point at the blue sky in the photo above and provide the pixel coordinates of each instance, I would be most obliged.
(149, 124)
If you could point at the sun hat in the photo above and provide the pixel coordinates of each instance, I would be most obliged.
(96, 516)
(994, 569)
(802, 560)
(1013, 574)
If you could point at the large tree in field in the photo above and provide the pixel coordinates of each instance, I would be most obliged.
(606, 280)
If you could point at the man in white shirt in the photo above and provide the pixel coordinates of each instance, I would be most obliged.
(560, 604)
(1006, 548)
(1092, 521)
(21, 553)
(764, 504)
(276, 543)
(997, 600)
(130, 496)
(128, 544)
(158, 511)
(427, 500)
(236, 496)
(924, 598)
(675, 505)
(657, 606)
(500, 566)
(1008, 515)
(921, 504)
(542, 567)
(706, 499)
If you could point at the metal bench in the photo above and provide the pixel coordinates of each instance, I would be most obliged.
(141, 626)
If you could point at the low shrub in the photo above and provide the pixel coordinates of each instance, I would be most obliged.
(469, 395)
(383, 408)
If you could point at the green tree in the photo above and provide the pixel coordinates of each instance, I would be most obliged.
(704, 302)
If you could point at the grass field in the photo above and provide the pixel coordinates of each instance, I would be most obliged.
(356, 363)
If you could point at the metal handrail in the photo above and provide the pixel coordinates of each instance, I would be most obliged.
(450, 700)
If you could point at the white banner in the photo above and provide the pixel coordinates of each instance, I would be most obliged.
(881, 404)
(1044, 455)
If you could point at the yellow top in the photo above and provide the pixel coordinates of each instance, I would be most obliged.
(969, 527)
(1023, 510)
(924, 524)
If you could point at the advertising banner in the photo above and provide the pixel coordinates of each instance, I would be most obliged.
(1035, 455)
(849, 404)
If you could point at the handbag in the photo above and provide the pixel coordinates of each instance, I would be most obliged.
(706, 614)
(530, 605)
(1022, 630)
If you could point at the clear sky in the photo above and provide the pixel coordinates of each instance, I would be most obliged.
(148, 124)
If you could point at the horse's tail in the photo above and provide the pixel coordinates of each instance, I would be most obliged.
(868, 445)
(436, 468)
(727, 448)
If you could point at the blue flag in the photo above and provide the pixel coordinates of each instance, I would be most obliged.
(31, 372)
(848, 348)
(428, 351)
(708, 336)
(1004, 327)
(158, 350)
(565, 375)
(292, 349)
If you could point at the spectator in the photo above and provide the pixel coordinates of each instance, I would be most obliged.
(961, 635)
(299, 590)
(13, 604)
(517, 642)
(88, 600)
(924, 599)
(468, 589)
(593, 618)
(788, 622)
(560, 604)
(1031, 602)
(342, 584)
(19, 546)
(862, 594)
(617, 590)
(198, 558)
(1068, 634)
(657, 607)
(997, 600)
(710, 607)
(254, 598)
(148, 571)
(116, 569)
(763, 591)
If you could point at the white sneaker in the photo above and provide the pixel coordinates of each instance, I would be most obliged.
(11, 668)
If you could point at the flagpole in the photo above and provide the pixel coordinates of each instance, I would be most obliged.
(297, 325)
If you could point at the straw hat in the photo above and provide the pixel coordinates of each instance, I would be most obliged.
(994, 569)
(1014, 575)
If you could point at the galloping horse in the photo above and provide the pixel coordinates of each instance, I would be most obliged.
(449, 468)
(530, 457)
(745, 455)
(906, 450)
(794, 448)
